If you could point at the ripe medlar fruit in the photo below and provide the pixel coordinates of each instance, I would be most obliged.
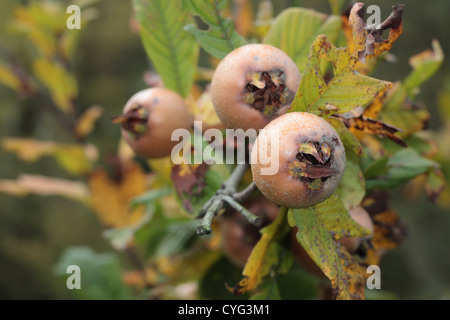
(309, 155)
(239, 236)
(252, 85)
(149, 118)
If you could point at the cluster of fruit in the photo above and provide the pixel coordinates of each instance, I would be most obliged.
(253, 88)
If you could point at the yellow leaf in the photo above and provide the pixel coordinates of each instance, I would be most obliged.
(28, 149)
(254, 268)
(111, 199)
(45, 186)
(163, 169)
(73, 159)
(87, 120)
(203, 110)
(76, 159)
(8, 78)
(60, 83)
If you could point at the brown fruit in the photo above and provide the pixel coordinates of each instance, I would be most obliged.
(360, 215)
(149, 118)
(252, 85)
(239, 236)
(308, 157)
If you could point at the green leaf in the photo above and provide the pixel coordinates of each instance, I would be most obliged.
(101, 274)
(172, 50)
(150, 197)
(403, 166)
(424, 64)
(319, 244)
(346, 90)
(352, 188)
(337, 6)
(59, 82)
(435, 184)
(336, 219)
(221, 37)
(176, 237)
(376, 168)
(318, 227)
(120, 237)
(268, 290)
(295, 30)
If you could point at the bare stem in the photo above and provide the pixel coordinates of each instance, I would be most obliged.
(244, 194)
(253, 219)
(222, 199)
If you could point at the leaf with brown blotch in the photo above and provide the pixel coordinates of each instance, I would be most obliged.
(389, 231)
(368, 40)
(345, 91)
(189, 182)
(111, 198)
(318, 229)
(45, 186)
(376, 127)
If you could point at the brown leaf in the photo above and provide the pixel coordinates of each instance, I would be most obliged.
(368, 40)
(376, 127)
(111, 198)
(389, 231)
(189, 181)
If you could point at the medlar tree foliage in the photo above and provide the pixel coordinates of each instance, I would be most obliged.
(152, 216)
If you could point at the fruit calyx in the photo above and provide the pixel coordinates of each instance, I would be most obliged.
(134, 121)
(313, 164)
(266, 91)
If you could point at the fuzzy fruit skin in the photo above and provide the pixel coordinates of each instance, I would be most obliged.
(167, 112)
(295, 128)
(230, 78)
(239, 236)
(360, 215)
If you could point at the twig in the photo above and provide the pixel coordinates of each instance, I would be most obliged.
(253, 219)
(244, 194)
(227, 197)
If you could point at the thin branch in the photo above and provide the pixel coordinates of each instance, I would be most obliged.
(244, 194)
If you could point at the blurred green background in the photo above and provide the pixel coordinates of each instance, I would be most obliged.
(109, 65)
